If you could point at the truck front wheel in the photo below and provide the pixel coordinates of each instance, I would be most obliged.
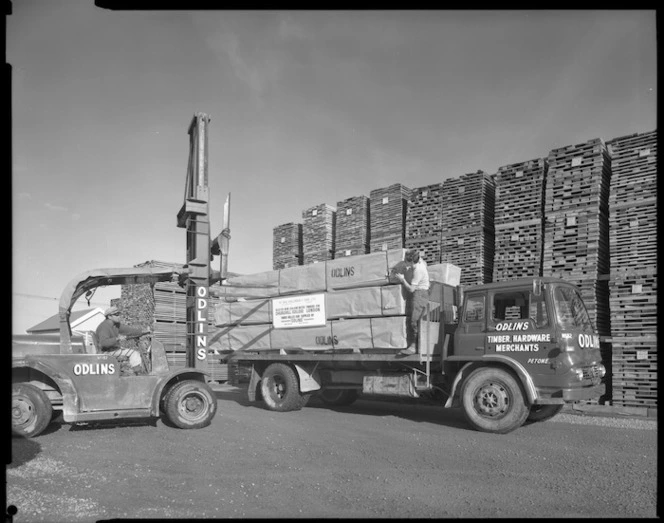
(280, 389)
(31, 410)
(493, 401)
(190, 405)
(338, 397)
(543, 412)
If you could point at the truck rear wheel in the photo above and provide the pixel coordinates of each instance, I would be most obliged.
(543, 412)
(31, 410)
(338, 397)
(190, 404)
(280, 388)
(493, 401)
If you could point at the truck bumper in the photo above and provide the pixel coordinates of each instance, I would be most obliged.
(585, 393)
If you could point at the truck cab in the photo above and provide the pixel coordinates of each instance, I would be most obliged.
(536, 329)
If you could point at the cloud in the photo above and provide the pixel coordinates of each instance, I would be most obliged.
(75, 216)
(56, 208)
(24, 196)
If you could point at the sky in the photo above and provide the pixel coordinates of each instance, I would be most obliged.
(306, 107)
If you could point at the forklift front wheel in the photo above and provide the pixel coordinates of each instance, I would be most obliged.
(190, 405)
(31, 410)
(493, 401)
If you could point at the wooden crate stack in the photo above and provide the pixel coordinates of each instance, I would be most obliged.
(318, 231)
(287, 245)
(352, 229)
(468, 231)
(424, 222)
(576, 232)
(633, 278)
(519, 220)
(388, 207)
(162, 307)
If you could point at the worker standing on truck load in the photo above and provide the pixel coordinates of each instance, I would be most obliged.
(416, 281)
(111, 332)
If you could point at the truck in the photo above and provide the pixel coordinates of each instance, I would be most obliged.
(506, 353)
(67, 373)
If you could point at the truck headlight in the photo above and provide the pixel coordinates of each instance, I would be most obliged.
(579, 374)
(601, 369)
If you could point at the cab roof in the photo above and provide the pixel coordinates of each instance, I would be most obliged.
(520, 282)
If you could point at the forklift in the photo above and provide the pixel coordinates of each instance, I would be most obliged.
(63, 373)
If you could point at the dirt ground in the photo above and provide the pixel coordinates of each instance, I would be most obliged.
(373, 459)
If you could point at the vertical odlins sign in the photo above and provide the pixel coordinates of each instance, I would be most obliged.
(201, 322)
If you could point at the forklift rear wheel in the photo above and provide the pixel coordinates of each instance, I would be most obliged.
(280, 389)
(493, 401)
(31, 410)
(190, 404)
(338, 397)
(543, 412)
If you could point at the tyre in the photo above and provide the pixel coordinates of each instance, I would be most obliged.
(543, 412)
(280, 388)
(493, 401)
(338, 397)
(190, 404)
(31, 410)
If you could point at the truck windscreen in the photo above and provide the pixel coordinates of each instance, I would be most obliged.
(570, 310)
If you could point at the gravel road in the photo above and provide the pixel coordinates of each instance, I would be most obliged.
(373, 459)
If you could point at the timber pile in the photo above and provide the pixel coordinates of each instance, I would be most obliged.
(352, 228)
(633, 279)
(519, 220)
(318, 231)
(162, 307)
(286, 245)
(387, 208)
(576, 233)
(424, 222)
(468, 229)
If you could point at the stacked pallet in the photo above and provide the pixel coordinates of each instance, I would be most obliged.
(287, 245)
(388, 207)
(468, 226)
(318, 231)
(424, 222)
(519, 220)
(633, 278)
(576, 234)
(352, 228)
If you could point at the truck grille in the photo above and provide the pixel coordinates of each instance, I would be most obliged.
(591, 373)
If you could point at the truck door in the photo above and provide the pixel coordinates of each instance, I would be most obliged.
(471, 334)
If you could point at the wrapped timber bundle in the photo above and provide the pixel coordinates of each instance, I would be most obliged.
(387, 208)
(352, 228)
(287, 245)
(633, 277)
(468, 230)
(318, 230)
(519, 220)
(576, 235)
(162, 307)
(424, 222)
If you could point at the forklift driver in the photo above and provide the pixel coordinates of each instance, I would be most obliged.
(109, 334)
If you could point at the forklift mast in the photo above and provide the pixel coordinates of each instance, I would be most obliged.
(194, 217)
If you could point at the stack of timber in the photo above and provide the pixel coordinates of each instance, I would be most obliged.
(576, 233)
(388, 207)
(519, 220)
(633, 278)
(345, 307)
(352, 229)
(162, 308)
(318, 231)
(287, 245)
(424, 222)
(468, 231)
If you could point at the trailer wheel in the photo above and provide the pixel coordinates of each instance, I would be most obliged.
(338, 397)
(493, 401)
(31, 410)
(280, 388)
(190, 404)
(543, 412)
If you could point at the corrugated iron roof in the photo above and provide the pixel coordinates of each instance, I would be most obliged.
(53, 323)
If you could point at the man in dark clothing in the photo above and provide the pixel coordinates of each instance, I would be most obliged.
(111, 332)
